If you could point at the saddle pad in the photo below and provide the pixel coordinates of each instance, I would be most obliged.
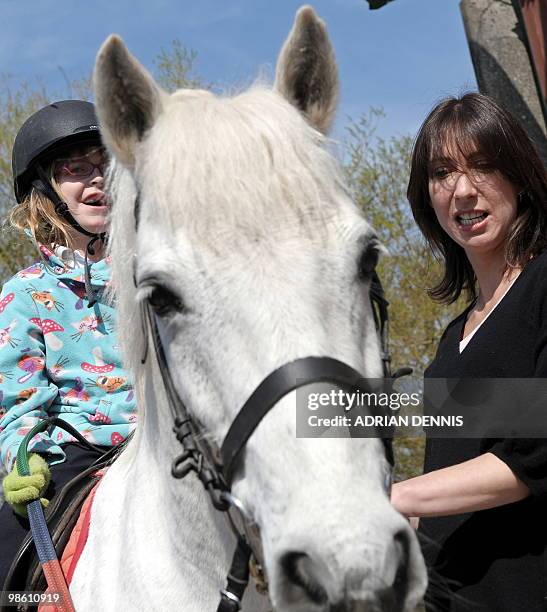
(76, 543)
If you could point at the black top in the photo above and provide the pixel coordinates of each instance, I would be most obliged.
(494, 559)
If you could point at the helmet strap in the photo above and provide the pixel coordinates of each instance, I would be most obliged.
(43, 185)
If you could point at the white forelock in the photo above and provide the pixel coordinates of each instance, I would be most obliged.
(246, 162)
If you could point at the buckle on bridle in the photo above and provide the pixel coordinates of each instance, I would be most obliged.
(230, 599)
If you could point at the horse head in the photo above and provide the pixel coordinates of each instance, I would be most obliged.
(251, 254)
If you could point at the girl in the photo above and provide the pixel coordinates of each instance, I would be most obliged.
(58, 349)
(478, 192)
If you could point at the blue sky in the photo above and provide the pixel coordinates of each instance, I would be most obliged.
(403, 57)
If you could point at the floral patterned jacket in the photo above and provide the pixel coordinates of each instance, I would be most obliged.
(58, 357)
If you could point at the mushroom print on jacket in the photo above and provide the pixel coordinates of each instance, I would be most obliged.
(58, 357)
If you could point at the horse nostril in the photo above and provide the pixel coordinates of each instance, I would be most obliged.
(298, 570)
(400, 583)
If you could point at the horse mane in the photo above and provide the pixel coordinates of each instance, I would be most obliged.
(291, 180)
(122, 246)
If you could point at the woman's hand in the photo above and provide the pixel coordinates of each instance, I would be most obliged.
(480, 483)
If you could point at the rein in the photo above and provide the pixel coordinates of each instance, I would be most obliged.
(45, 549)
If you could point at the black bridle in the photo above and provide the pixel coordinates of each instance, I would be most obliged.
(216, 468)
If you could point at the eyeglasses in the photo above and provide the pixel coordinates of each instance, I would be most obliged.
(81, 167)
(447, 176)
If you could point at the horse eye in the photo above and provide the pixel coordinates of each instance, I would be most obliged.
(165, 302)
(368, 261)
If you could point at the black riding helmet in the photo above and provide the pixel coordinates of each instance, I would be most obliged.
(44, 135)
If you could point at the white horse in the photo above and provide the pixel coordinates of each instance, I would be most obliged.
(252, 255)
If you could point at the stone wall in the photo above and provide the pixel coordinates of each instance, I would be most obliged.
(502, 64)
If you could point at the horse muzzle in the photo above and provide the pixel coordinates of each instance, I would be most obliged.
(310, 582)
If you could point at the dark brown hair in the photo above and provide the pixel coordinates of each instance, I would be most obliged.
(468, 125)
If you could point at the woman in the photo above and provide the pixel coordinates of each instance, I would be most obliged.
(58, 349)
(478, 192)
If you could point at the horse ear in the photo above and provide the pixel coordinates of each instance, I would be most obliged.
(127, 98)
(306, 72)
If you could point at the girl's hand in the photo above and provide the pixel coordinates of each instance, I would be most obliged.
(20, 490)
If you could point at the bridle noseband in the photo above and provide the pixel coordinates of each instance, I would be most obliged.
(274, 387)
(216, 468)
